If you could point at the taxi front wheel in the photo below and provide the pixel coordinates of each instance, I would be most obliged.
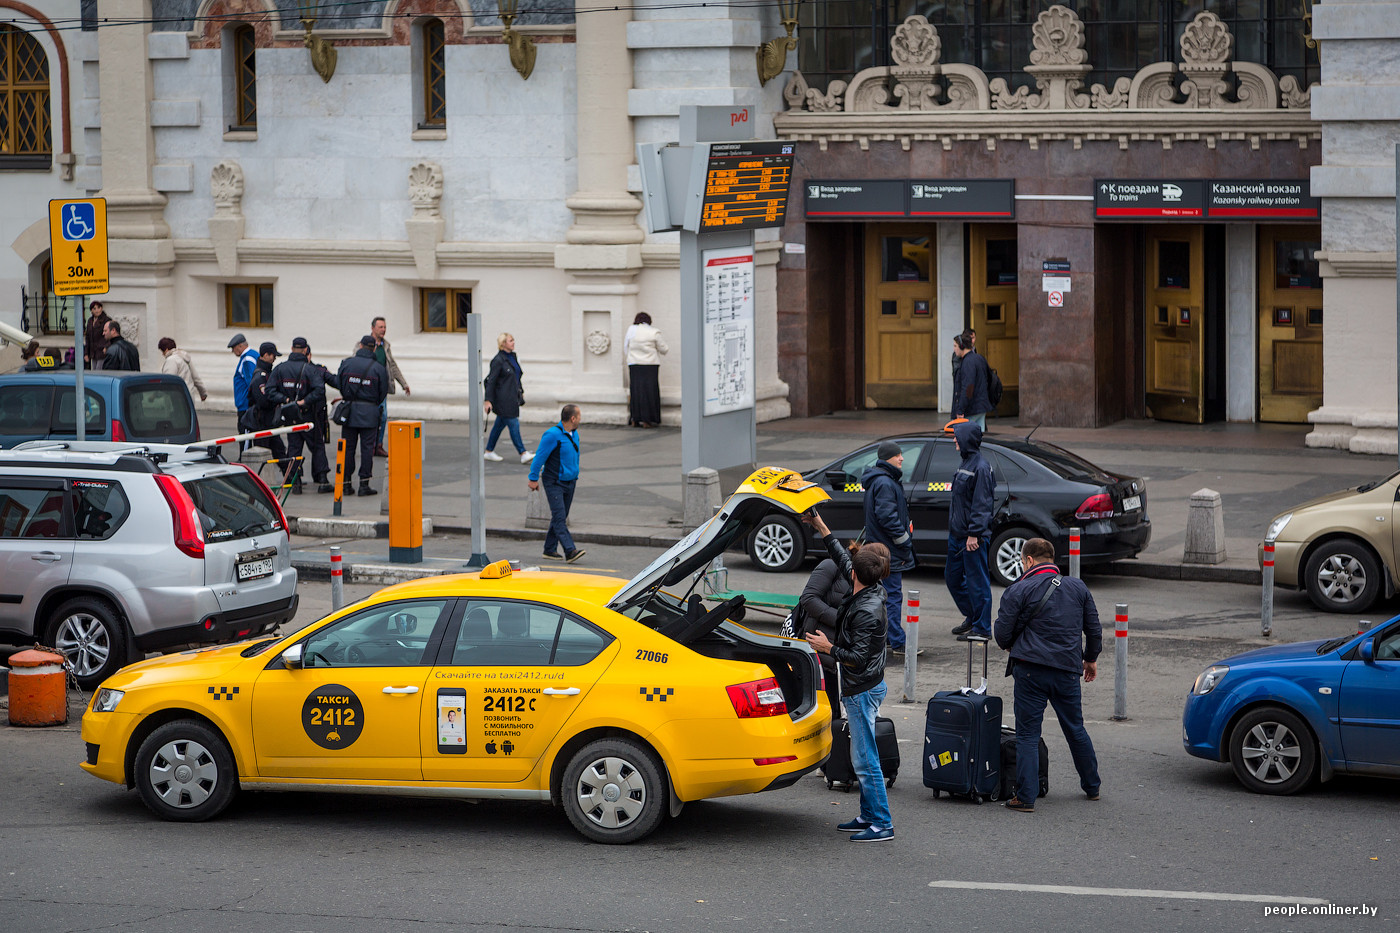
(185, 772)
(614, 791)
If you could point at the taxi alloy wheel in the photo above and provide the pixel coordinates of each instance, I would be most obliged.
(1273, 752)
(777, 545)
(614, 792)
(1006, 555)
(185, 772)
(91, 638)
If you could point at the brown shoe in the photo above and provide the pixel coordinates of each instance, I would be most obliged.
(380, 452)
(1015, 804)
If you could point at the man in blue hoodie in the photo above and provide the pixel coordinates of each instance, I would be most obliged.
(556, 465)
(969, 533)
(887, 521)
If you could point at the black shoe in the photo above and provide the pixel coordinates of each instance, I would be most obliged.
(325, 487)
(366, 491)
(349, 489)
(975, 636)
(963, 629)
(552, 555)
(298, 489)
(574, 555)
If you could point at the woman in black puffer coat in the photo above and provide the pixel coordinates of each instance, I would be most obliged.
(817, 607)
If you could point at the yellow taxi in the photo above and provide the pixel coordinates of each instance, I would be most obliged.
(617, 700)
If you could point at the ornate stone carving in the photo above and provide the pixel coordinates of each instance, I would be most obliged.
(1292, 95)
(597, 342)
(1058, 37)
(1206, 43)
(915, 43)
(799, 96)
(131, 327)
(425, 189)
(916, 80)
(226, 185)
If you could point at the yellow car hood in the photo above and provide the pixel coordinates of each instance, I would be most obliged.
(766, 490)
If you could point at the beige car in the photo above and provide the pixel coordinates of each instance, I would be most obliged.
(1340, 547)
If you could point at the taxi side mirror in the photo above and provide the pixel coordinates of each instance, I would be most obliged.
(836, 479)
(291, 658)
(1368, 650)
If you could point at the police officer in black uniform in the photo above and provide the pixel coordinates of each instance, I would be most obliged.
(262, 401)
(364, 383)
(298, 381)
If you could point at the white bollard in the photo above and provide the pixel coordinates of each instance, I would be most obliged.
(1266, 605)
(911, 642)
(1074, 553)
(1120, 662)
(337, 585)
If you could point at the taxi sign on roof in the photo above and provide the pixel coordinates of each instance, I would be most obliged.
(78, 246)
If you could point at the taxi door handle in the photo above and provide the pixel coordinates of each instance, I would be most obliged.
(400, 691)
(565, 692)
(47, 557)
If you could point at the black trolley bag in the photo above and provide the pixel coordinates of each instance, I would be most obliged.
(1008, 765)
(838, 768)
(962, 739)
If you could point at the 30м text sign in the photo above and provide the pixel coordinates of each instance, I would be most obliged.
(78, 246)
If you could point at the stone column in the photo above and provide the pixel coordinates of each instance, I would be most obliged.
(603, 252)
(141, 251)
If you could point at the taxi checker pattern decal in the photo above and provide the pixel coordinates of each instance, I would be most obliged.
(854, 487)
(655, 693)
(940, 487)
(333, 716)
(223, 693)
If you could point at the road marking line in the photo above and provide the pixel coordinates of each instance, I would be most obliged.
(1126, 892)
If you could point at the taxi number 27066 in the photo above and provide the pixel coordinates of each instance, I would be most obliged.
(509, 704)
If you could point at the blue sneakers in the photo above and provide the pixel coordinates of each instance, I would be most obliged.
(872, 834)
(854, 826)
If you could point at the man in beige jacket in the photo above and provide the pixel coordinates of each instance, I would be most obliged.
(177, 363)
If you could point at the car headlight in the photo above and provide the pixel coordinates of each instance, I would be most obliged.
(1276, 527)
(1209, 679)
(106, 700)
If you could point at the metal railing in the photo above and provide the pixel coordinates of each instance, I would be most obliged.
(47, 314)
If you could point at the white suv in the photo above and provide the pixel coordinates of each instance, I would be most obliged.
(109, 551)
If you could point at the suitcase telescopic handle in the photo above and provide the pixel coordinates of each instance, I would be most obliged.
(970, 643)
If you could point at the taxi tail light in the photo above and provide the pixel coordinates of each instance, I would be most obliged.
(774, 761)
(189, 535)
(271, 496)
(1099, 505)
(757, 699)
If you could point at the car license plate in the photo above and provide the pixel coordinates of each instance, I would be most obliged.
(1132, 502)
(252, 569)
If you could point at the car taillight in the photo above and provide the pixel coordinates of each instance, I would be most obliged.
(1096, 506)
(117, 433)
(271, 497)
(189, 534)
(774, 761)
(758, 698)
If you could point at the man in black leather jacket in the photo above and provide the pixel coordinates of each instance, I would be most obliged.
(859, 648)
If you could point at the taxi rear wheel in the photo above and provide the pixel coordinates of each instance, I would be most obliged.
(185, 772)
(614, 791)
(777, 545)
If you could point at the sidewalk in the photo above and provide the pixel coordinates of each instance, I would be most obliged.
(631, 485)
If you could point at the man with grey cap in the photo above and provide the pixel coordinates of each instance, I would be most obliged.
(364, 383)
(887, 521)
(242, 377)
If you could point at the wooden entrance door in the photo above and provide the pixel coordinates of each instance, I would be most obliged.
(901, 317)
(1290, 323)
(994, 317)
(1175, 324)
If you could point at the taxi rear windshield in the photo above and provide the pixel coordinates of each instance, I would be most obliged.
(232, 505)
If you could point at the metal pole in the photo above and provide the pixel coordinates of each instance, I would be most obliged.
(1074, 553)
(1120, 662)
(477, 448)
(911, 642)
(79, 395)
(337, 581)
(339, 475)
(1266, 604)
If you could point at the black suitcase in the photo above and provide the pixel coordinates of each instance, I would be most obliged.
(962, 740)
(838, 768)
(1008, 765)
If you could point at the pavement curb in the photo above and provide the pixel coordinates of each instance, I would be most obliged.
(1190, 573)
(370, 528)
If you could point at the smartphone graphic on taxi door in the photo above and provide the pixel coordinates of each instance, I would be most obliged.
(451, 721)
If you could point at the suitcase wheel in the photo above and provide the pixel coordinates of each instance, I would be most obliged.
(995, 795)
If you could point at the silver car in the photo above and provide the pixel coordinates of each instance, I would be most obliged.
(111, 551)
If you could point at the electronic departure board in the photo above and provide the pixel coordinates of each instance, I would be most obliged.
(746, 185)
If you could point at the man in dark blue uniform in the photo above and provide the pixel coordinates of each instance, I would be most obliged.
(364, 383)
(887, 521)
(969, 533)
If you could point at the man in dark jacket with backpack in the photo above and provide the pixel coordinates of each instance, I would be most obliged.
(860, 650)
(364, 383)
(969, 534)
(887, 521)
(1050, 626)
(298, 382)
(971, 384)
(262, 401)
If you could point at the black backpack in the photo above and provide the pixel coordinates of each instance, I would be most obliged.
(994, 387)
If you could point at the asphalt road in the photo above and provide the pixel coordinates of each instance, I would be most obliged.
(80, 854)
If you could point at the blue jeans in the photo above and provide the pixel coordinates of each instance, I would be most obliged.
(970, 583)
(894, 605)
(1036, 685)
(561, 498)
(383, 420)
(865, 757)
(501, 424)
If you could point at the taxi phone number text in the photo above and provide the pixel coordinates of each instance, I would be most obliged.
(509, 704)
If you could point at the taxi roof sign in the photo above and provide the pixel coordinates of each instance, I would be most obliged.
(78, 247)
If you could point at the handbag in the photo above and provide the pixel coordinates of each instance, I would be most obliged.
(341, 414)
(289, 414)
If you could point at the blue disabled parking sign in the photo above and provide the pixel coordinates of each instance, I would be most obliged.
(79, 222)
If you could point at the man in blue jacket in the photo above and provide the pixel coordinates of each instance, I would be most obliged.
(556, 465)
(242, 377)
(969, 533)
(970, 382)
(1050, 626)
(887, 521)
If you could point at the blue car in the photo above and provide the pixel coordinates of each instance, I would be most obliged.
(153, 408)
(1286, 715)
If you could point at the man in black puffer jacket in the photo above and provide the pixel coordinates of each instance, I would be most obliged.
(364, 383)
(860, 650)
(262, 403)
(887, 521)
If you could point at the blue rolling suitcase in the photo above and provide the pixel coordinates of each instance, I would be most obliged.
(962, 740)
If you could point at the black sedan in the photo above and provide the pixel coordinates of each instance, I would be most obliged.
(1042, 491)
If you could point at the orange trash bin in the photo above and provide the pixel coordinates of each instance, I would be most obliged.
(38, 689)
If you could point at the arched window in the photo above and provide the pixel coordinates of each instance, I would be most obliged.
(434, 73)
(245, 78)
(25, 138)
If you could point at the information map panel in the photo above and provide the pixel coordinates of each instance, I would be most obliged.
(746, 185)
